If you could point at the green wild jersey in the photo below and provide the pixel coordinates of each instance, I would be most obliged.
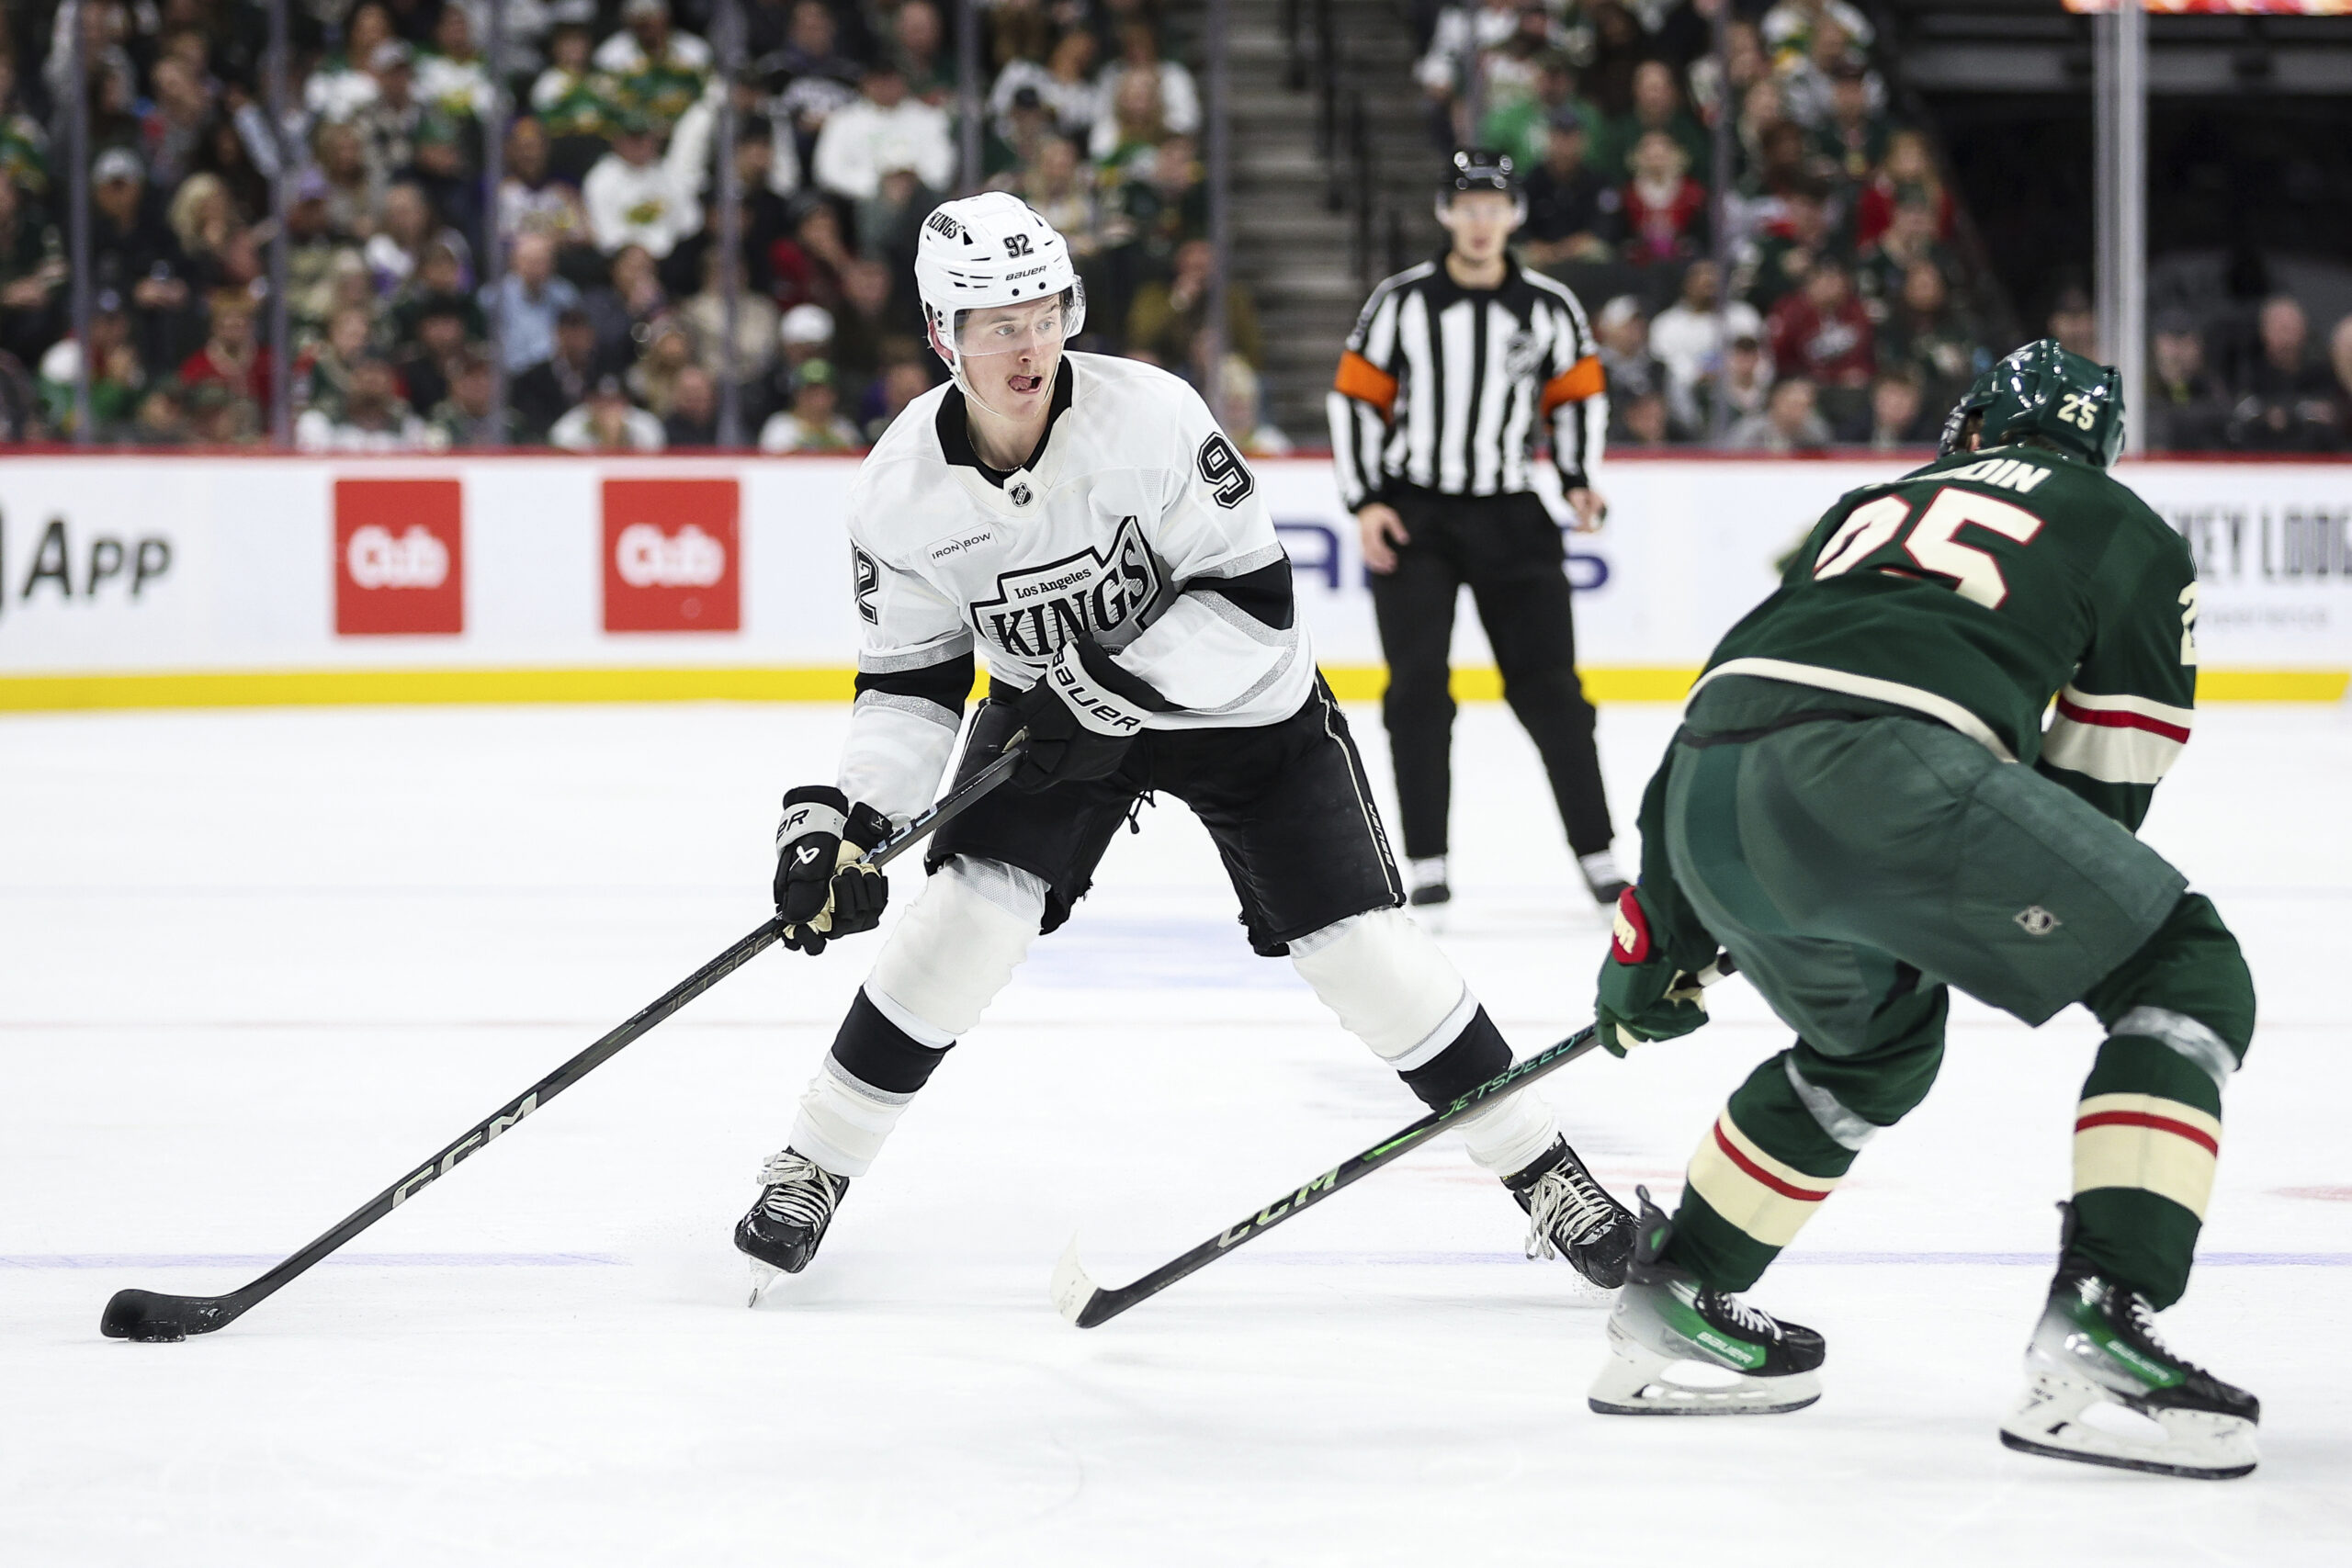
(586, 105)
(1977, 589)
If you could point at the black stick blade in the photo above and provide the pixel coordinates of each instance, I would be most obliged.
(152, 1318)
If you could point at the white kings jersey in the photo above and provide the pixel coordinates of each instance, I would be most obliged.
(1135, 523)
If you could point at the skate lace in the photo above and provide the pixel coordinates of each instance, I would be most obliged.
(800, 1191)
(2144, 1319)
(1746, 1318)
(1566, 1197)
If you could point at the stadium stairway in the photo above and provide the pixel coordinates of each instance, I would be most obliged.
(1299, 255)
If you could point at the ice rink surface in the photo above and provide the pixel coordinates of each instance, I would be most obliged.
(259, 964)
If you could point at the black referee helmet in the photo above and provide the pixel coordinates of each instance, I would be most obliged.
(1475, 169)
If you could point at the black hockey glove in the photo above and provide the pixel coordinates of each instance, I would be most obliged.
(823, 886)
(1082, 715)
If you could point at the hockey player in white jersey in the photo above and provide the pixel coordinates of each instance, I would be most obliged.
(1083, 520)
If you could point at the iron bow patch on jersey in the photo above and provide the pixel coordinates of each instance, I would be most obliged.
(1038, 608)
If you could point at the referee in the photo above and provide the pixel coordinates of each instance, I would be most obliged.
(1450, 370)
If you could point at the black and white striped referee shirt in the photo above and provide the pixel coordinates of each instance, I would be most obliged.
(1441, 387)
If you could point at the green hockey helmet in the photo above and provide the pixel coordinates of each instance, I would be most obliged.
(2045, 391)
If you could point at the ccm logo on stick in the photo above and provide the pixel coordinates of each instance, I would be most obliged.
(479, 1138)
(671, 556)
(400, 557)
(1314, 1191)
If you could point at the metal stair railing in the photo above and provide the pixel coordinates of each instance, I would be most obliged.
(1343, 138)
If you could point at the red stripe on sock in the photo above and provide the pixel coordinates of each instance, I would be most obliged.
(2122, 719)
(2161, 1123)
(1802, 1194)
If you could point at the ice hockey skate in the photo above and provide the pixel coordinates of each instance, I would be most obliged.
(1571, 1215)
(785, 1228)
(1426, 883)
(1677, 1348)
(1602, 877)
(2102, 1389)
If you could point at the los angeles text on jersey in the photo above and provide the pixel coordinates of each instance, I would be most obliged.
(1101, 594)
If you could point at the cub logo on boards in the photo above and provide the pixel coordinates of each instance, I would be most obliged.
(400, 557)
(671, 556)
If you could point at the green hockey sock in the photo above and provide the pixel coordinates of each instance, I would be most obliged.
(2147, 1136)
(1760, 1172)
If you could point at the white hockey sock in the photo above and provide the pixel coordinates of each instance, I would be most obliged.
(843, 1123)
(939, 968)
(1506, 1138)
(1389, 982)
(958, 946)
(1395, 990)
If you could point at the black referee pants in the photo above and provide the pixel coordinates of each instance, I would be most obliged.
(1507, 549)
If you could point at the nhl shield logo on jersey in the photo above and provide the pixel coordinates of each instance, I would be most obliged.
(1521, 355)
(1018, 493)
(1038, 608)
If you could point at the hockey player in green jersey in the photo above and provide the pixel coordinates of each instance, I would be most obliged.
(1863, 807)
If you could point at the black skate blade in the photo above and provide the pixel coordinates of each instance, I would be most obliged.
(2116, 1461)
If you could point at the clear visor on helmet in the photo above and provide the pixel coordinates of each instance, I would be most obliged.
(1036, 327)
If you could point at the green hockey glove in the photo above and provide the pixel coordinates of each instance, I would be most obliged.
(1643, 996)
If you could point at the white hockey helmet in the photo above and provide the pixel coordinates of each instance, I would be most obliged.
(991, 249)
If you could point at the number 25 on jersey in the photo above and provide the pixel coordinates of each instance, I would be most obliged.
(1932, 542)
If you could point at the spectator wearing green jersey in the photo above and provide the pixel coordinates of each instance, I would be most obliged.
(578, 104)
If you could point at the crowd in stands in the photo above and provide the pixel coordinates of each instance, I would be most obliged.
(1855, 317)
(610, 282)
(1854, 314)
(2255, 380)
(1852, 318)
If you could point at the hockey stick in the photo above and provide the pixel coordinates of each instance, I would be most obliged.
(1087, 1305)
(152, 1316)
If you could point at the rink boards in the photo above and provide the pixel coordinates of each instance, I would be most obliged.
(165, 581)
